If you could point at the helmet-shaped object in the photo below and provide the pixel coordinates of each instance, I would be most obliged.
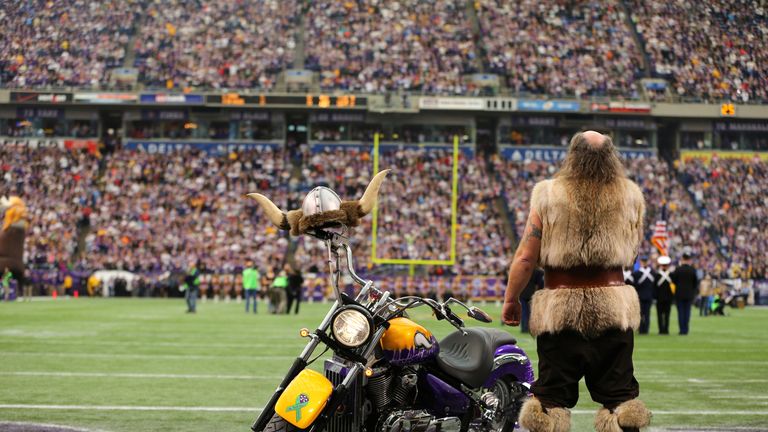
(322, 208)
(320, 199)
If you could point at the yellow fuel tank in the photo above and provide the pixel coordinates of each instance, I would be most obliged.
(401, 335)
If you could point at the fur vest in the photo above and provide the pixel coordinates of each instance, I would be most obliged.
(604, 231)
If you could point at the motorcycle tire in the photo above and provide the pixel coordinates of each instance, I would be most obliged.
(511, 405)
(278, 424)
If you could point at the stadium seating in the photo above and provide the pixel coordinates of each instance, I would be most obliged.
(415, 209)
(710, 50)
(76, 42)
(561, 48)
(153, 213)
(59, 190)
(373, 46)
(578, 48)
(215, 44)
(158, 212)
(731, 195)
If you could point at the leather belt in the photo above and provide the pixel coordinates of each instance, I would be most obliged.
(582, 277)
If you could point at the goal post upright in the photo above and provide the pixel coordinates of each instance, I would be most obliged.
(454, 213)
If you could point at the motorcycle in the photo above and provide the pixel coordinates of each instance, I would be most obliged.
(389, 373)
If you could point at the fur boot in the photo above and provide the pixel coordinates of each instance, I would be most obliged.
(535, 418)
(630, 415)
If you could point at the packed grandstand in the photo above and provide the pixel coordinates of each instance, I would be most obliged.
(150, 213)
(704, 51)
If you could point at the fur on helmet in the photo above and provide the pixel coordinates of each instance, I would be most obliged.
(348, 214)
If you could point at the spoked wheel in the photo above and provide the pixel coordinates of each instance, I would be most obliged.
(511, 395)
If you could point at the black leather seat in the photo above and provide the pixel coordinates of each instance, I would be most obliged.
(470, 358)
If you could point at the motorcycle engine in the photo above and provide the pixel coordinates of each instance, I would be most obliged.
(416, 421)
(388, 387)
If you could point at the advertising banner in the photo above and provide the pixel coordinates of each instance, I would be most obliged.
(165, 98)
(30, 97)
(318, 147)
(452, 103)
(708, 155)
(106, 98)
(621, 107)
(554, 154)
(39, 112)
(548, 105)
(164, 147)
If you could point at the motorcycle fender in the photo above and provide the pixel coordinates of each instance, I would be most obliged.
(304, 398)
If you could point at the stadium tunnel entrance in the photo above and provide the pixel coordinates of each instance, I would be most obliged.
(111, 129)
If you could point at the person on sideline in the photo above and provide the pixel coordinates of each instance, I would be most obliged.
(295, 283)
(644, 278)
(663, 293)
(584, 226)
(192, 286)
(251, 285)
(686, 288)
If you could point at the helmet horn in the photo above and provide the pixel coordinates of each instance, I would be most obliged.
(275, 215)
(368, 201)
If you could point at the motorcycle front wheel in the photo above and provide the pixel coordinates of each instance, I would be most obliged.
(278, 424)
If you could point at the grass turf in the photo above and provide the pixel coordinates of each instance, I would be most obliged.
(79, 355)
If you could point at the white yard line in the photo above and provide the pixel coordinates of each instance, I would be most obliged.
(128, 408)
(299, 344)
(139, 375)
(252, 409)
(47, 425)
(689, 412)
(144, 356)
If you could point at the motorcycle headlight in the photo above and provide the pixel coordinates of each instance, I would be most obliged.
(351, 327)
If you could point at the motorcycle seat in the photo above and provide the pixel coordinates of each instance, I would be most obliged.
(470, 358)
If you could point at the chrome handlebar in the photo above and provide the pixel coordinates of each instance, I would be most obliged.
(338, 242)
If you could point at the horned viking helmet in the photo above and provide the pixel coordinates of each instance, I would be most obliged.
(322, 208)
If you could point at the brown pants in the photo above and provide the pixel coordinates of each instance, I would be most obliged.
(604, 361)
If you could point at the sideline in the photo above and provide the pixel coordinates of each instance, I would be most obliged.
(250, 409)
(139, 375)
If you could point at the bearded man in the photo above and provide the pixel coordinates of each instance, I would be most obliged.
(584, 226)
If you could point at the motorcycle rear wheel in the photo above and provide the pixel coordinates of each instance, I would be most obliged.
(510, 404)
(278, 424)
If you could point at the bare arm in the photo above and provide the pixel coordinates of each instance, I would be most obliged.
(521, 269)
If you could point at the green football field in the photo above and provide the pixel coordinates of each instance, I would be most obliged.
(145, 365)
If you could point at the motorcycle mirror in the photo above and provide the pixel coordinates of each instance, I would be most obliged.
(479, 315)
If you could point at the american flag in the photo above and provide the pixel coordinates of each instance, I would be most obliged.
(660, 239)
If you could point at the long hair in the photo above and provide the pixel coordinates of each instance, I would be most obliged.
(596, 164)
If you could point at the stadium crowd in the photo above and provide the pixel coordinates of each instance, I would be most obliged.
(710, 50)
(372, 46)
(561, 48)
(578, 48)
(731, 195)
(64, 42)
(215, 44)
(160, 212)
(414, 220)
(155, 213)
(59, 190)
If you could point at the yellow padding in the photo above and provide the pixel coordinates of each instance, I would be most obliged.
(304, 398)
